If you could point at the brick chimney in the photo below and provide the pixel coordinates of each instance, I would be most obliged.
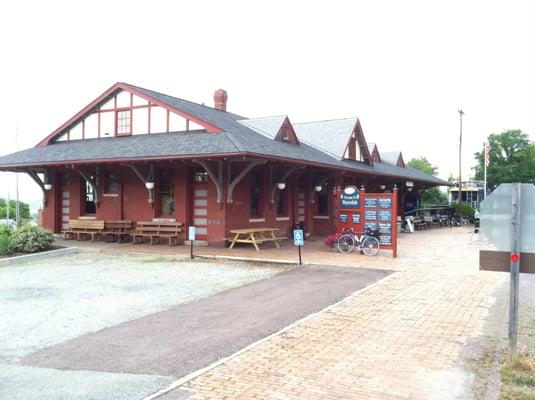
(220, 99)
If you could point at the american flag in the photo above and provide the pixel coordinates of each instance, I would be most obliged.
(487, 154)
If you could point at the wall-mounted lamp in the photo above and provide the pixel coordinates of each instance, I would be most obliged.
(317, 188)
(409, 184)
(46, 182)
(382, 187)
(149, 185)
(281, 185)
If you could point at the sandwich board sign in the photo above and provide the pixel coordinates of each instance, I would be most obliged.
(507, 220)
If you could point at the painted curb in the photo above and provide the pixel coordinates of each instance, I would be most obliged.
(38, 256)
(195, 374)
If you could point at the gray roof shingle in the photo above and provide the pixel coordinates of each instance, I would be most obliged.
(321, 142)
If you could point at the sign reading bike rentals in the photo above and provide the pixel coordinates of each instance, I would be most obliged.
(350, 198)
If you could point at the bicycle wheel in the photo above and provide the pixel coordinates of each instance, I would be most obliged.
(370, 246)
(346, 243)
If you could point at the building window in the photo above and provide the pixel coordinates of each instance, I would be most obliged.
(323, 202)
(286, 134)
(199, 177)
(352, 153)
(167, 193)
(256, 194)
(89, 198)
(112, 186)
(281, 203)
(124, 122)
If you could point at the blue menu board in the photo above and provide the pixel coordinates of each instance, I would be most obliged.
(356, 218)
(343, 218)
(385, 215)
(385, 202)
(370, 225)
(385, 227)
(370, 214)
(385, 239)
(370, 202)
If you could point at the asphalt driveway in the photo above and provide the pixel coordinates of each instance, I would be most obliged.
(134, 358)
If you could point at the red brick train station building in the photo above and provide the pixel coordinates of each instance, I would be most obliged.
(136, 154)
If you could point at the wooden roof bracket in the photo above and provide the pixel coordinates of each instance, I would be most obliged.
(283, 177)
(41, 184)
(145, 180)
(232, 184)
(217, 180)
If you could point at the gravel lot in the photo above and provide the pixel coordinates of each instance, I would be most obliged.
(47, 302)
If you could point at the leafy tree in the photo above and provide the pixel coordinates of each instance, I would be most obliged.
(512, 159)
(431, 196)
(23, 207)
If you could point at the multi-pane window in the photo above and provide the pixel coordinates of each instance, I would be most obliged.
(280, 202)
(112, 184)
(323, 202)
(167, 193)
(199, 177)
(124, 122)
(89, 199)
(286, 134)
(256, 194)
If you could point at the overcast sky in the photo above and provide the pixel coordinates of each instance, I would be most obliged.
(403, 67)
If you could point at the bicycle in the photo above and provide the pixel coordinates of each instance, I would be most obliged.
(367, 243)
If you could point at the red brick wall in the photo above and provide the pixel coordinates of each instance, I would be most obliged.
(133, 204)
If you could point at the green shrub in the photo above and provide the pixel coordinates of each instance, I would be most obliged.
(6, 243)
(30, 239)
(466, 211)
(6, 230)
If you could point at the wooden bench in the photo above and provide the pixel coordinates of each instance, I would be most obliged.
(116, 230)
(255, 236)
(80, 229)
(155, 230)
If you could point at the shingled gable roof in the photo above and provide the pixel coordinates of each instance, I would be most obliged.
(267, 126)
(393, 157)
(332, 136)
(228, 135)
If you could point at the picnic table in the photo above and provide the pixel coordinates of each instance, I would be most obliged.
(255, 236)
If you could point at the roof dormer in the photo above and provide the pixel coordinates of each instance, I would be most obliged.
(277, 128)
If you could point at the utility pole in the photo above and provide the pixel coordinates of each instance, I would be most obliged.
(461, 113)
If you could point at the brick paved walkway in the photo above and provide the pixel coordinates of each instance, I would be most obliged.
(402, 339)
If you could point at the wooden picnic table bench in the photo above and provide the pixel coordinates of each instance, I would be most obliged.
(116, 230)
(155, 230)
(83, 229)
(255, 236)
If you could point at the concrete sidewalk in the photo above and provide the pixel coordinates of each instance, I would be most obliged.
(409, 337)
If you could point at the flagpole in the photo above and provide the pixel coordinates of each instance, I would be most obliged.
(485, 169)
(17, 204)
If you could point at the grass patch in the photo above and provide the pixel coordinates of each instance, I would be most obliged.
(518, 379)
